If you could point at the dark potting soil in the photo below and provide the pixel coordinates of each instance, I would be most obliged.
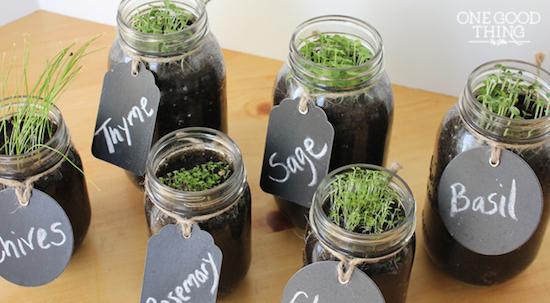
(362, 125)
(443, 249)
(231, 230)
(67, 186)
(391, 275)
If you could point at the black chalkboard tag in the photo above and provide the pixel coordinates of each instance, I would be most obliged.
(36, 241)
(179, 269)
(126, 118)
(318, 282)
(297, 152)
(490, 210)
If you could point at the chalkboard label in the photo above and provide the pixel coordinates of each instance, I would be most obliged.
(36, 241)
(318, 282)
(126, 117)
(490, 210)
(179, 269)
(297, 152)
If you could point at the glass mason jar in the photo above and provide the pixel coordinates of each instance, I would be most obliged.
(232, 229)
(358, 101)
(392, 274)
(66, 184)
(470, 125)
(188, 67)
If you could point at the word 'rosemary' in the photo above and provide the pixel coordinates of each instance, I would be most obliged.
(28, 126)
(507, 94)
(162, 19)
(201, 177)
(362, 201)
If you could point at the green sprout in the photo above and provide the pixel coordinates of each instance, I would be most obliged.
(162, 19)
(507, 94)
(201, 177)
(362, 200)
(29, 127)
(338, 55)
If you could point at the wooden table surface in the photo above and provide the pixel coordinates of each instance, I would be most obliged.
(109, 266)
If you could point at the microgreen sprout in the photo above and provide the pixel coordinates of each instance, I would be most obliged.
(29, 125)
(338, 53)
(362, 200)
(201, 177)
(507, 94)
(162, 19)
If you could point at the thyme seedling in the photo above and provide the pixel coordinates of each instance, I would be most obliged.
(29, 127)
(339, 54)
(201, 177)
(507, 94)
(362, 201)
(162, 19)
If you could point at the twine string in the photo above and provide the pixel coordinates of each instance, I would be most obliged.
(23, 189)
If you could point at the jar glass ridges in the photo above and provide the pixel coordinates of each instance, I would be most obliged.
(188, 67)
(358, 100)
(231, 230)
(392, 274)
(66, 184)
(468, 126)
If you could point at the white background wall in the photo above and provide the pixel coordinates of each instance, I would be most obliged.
(425, 46)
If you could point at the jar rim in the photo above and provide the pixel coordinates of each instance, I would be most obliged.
(378, 48)
(402, 233)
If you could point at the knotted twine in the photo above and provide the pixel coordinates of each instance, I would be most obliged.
(187, 223)
(23, 189)
(347, 265)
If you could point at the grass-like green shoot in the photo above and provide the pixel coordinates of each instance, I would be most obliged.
(201, 177)
(334, 52)
(508, 95)
(162, 19)
(361, 200)
(29, 126)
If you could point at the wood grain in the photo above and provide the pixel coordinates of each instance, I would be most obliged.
(109, 267)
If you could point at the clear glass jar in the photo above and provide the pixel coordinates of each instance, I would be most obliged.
(470, 125)
(66, 184)
(359, 106)
(188, 67)
(391, 275)
(232, 229)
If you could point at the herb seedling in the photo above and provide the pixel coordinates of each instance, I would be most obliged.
(338, 54)
(162, 19)
(201, 177)
(29, 127)
(507, 94)
(362, 201)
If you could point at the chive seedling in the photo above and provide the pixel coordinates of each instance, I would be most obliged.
(507, 94)
(29, 127)
(162, 19)
(338, 54)
(362, 200)
(201, 177)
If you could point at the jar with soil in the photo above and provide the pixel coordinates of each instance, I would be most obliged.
(366, 213)
(55, 161)
(172, 39)
(503, 114)
(336, 62)
(196, 172)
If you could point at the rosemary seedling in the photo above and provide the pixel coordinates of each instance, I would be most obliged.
(507, 94)
(162, 19)
(29, 127)
(201, 177)
(362, 200)
(338, 55)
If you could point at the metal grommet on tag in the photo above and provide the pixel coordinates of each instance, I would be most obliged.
(494, 160)
(135, 67)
